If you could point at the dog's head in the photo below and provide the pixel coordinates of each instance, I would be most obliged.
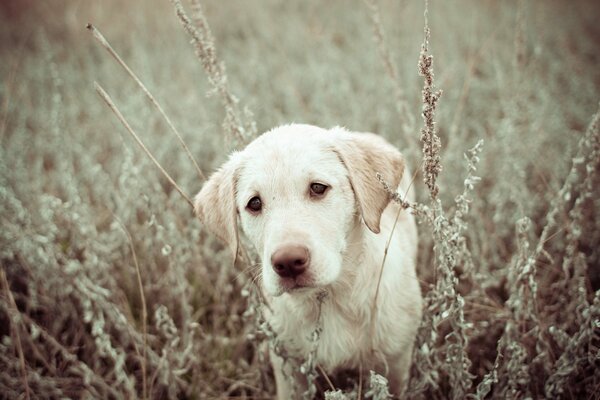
(298, 192)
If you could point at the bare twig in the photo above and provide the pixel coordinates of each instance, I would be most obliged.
(322, 371)
(98, 36)
(114, 109)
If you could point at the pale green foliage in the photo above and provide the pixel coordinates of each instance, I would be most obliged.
(508, 249)
(378, 387)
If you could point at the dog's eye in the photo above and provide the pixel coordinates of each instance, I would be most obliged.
(318, 189)
(255, 204)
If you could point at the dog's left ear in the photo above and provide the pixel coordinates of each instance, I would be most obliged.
(215, 204)
(365, 155)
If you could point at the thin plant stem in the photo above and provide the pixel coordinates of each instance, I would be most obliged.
(121, 118)
(203, 43)
(15, 322)
(322, 371)
(385, 253)
(104, 43)
(144, 308)
(407, 119)
(592, 135)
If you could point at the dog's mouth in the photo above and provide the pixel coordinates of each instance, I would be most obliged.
(293, 285)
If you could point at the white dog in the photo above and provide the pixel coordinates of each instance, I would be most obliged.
(309, 201)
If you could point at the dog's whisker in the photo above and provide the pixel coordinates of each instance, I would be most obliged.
(251, 270)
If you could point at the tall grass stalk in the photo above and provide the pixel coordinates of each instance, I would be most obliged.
(144, 309)
(102, 93)
(407, 120)
(204, 46)
(106, 45)
(429, 138)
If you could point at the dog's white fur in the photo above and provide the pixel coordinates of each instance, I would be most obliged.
(345, 232)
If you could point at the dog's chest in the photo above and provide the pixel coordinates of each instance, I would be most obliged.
(336, 338)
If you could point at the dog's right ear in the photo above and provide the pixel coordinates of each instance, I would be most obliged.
(215, 203)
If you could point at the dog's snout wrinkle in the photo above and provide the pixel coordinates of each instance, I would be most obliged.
(290, 261)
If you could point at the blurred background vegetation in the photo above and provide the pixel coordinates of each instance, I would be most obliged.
(79, 199)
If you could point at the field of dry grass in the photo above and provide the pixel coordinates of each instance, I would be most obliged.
(110, 288)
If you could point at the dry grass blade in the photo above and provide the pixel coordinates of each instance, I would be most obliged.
(385, 253)
(144, 309)
(324, 374)
(15, 326)
(360, 381)
(104, 43)
(119, 115)
(406, 118)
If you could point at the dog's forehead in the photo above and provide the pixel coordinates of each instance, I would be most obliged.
(289, 153)
(291, 136)
(286, 148)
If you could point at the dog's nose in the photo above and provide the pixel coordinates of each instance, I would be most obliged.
(290, 261)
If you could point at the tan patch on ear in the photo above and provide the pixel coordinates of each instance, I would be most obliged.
(365, 155)
(215, 204)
